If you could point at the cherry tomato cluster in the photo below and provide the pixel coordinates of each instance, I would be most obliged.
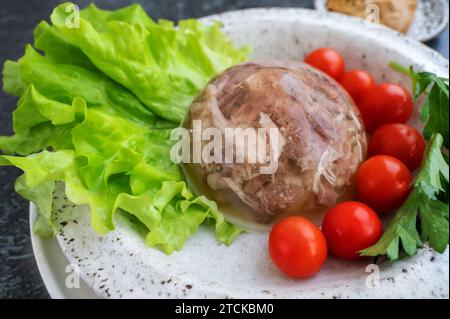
(379, 104)
(297, 246)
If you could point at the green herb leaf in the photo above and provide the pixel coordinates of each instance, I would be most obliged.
(434, 171)
(422, 203)
(434, 224)
(434, 111)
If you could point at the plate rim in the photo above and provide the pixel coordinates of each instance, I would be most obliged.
(47, 271)
(44, 268)
(381, 29)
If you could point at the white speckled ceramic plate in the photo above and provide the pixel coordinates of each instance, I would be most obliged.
(430, 18)
(53, 265)
(119, 265)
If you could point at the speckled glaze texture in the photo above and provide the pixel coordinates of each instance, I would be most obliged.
(430, 19)
(119, 265)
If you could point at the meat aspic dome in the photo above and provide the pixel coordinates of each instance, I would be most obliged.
(321, 138)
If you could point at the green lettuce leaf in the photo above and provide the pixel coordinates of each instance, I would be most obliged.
(173, 209)
(41, 123)
(38, 183)
(163, 66)
(64, 82)
(57, 49)
(12, 82)
(95, 112)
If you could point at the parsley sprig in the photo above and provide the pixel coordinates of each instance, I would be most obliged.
(434, 111)
(424, 217)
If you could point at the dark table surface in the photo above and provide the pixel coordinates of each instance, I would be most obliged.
(19, 276)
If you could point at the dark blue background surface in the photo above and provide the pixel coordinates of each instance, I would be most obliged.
(19, 277)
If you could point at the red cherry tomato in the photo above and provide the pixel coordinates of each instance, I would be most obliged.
(357, 83)
(383, 183)
(386, 103)
(297, 247)
(400, 141)
(350, 227)
(328, 61)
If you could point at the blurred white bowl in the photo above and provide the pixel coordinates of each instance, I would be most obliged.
(430, 19)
